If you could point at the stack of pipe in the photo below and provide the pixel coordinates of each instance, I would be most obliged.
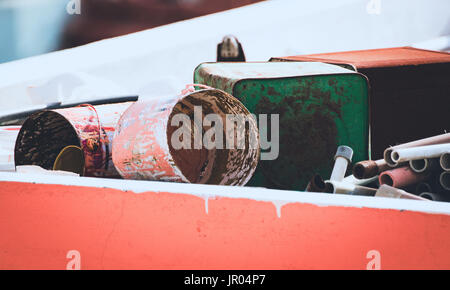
(414, 170)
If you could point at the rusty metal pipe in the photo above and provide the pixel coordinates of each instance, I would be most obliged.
(392, 192)
(342, 158)
(424, 165)
(444, 180)
(439, 139)
(401, 177)
(45, 134)
(348, 188)
(445, 161)
(369, 168)
(145, 142)
(421, 152)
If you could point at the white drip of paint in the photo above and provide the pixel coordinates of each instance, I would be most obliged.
(278, 205)
(207, 198)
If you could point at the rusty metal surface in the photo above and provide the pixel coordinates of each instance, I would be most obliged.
(143, 146)
(46, 133)
(320, 107)
(410, 91)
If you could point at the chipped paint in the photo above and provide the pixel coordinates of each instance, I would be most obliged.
(142, 145)
(46, 133)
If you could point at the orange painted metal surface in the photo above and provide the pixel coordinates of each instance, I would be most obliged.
(372, 58)
(113, 229)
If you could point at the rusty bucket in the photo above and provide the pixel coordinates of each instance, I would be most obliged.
(46, 136)
(144, 143)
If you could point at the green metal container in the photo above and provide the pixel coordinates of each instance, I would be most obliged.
(320, 107)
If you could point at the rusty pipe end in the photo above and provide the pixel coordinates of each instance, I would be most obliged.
(365, 169)
(386, 178)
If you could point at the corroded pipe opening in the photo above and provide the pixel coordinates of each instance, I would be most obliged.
(188, 139)
(41, 139)
(386, 178)
(214, 165)
(365, 169)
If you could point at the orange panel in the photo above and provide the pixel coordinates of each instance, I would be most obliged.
(113, 229)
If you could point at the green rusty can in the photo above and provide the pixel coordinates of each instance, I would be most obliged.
(320, 106)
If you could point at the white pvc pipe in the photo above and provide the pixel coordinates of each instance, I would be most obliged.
(421, 152)
(348, 188)
(423, 165)
(339, 169)
(444, 180)
(343, 157)
(445, 161)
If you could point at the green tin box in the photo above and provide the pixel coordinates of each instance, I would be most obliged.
(319, 106)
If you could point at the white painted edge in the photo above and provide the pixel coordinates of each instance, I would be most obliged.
(277, 197)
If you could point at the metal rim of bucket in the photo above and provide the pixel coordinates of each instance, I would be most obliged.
(62, 164)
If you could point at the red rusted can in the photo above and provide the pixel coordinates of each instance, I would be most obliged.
(144, 143)
(44, 135)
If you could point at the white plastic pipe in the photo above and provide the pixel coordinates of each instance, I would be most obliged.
(445, 161)
(423, 165)
(342, 158)
(444, 180)
(421, 152)
(348, 188)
